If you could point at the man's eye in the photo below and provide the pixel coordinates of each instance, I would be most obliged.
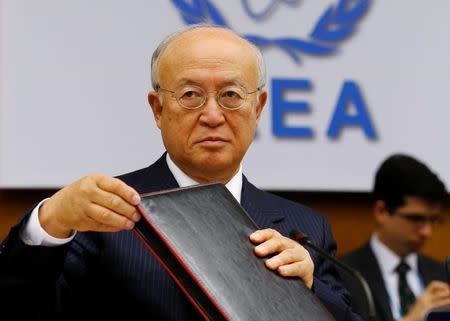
(191, 94)
(230, 94)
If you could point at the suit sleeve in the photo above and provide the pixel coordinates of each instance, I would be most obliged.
(28, 276)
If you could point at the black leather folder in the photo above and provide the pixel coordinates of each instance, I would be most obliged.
(438, 314)
(200, 234)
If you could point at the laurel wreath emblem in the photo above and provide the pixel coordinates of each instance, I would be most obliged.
(336, 23)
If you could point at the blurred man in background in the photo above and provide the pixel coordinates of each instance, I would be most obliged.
(408, 199)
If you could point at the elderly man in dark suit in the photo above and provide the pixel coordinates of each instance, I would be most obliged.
(408, 199)
(74, 255)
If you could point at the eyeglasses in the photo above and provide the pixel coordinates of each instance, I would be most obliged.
(421, 219)
(193, 97)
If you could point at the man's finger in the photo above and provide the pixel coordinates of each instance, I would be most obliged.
(263, 235)
(294, 269)
(274, 245)
(116, 186)
(286, 257)
(104, 216)
(115, 203)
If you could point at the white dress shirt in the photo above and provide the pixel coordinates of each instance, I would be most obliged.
(34, 234)
(388, 261)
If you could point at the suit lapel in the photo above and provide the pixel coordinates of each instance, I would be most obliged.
(155, 177)
(252, 200)
(430, 270)
(424, 271)
(372, 274)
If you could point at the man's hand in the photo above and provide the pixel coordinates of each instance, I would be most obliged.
(292, 260)
(93, 203)
(437, 294)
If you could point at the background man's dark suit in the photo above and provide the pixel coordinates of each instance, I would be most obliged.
(114, 275)
(366, 263)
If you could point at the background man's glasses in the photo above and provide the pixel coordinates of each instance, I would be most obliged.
(421, 219)
(193, 97)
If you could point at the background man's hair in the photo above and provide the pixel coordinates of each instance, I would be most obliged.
(400, 176)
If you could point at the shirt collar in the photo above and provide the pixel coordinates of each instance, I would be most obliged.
(387, 259)
(183, 180)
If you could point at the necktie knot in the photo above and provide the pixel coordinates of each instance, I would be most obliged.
(402, 268)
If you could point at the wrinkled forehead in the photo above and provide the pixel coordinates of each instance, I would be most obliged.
(208, 52)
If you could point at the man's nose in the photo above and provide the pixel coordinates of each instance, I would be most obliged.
(212, 114)
(427, 229)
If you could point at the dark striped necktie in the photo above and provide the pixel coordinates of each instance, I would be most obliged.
(407, 297)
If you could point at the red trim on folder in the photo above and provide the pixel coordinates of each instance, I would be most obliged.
(186, 268)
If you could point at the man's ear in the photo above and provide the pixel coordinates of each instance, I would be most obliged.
(262, 99)
(155, 103)
(380, 211)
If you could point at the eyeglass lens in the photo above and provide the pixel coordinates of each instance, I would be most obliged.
(422, 219)
(191, 97)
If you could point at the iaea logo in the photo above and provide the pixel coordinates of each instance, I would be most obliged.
(336, 23)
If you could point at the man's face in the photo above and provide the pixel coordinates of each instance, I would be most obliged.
(207, 143)
(408, 228)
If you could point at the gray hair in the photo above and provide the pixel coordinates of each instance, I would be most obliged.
(156, 57)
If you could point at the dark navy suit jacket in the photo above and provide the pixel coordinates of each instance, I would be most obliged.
(364, 260)
(111, 275)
